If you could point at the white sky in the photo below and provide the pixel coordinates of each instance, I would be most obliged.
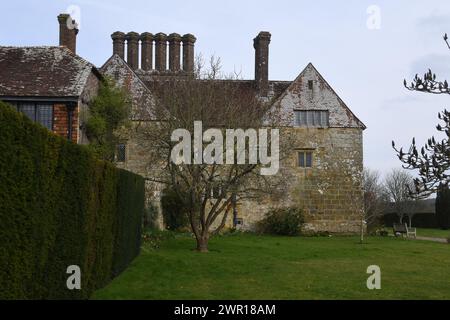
(365, 67)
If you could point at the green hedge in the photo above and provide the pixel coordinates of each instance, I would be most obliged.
(59, 206)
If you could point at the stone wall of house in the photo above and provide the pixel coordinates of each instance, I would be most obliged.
(138, 148)
(329, 192)
(138, 159)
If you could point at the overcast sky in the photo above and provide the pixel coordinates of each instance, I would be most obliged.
(366, 66)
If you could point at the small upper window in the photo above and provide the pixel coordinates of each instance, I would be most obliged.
(304, 159)
(310, 84)
(312, 118)
(121, 152)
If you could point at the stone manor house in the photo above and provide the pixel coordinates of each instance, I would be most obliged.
(53, 85)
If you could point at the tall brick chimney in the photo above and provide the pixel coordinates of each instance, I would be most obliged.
(67, 32)
(133, 50)
(188, 52)
(261, 45)
(119, 43)
(174, 52)
(161, 51)
(146, 51)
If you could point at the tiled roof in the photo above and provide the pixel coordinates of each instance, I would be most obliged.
(276, 88)
(42, 72)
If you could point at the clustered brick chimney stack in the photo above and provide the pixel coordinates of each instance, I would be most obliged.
(67, 32)
(261, 45)
(180, 48)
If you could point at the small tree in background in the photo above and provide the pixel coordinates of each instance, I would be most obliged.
(107, 113)
(375, 197)
(443, 207)
(398, 184)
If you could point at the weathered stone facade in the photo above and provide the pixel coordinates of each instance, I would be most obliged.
(329, 191)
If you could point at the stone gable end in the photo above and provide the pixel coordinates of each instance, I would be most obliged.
(318, 95)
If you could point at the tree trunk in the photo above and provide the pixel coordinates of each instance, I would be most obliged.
(202, 243)
(362, 231)
(410, 220)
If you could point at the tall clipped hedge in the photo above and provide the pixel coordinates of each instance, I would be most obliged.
(59, 206)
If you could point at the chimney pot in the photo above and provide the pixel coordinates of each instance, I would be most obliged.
(174, 52)
(188, 52)
(146, 51)
(67, 32)
(119, 43)
(161, 51)
(133, 50)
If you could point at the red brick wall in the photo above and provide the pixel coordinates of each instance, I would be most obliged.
(60, 122)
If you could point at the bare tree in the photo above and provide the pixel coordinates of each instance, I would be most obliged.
(209, 191)
(375, 197)
(398, 184)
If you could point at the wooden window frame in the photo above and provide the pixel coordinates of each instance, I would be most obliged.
(303, 154)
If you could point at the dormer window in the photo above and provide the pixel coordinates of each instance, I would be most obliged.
(312, 118)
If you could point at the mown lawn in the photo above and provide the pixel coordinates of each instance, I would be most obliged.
(434, 233)
(245, 266)
(428, 232)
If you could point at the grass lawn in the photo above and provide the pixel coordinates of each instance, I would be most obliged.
(425, 232)
(245, 266)
(434, 233)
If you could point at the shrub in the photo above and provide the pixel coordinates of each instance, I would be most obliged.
(59, 206)
(284, 221)
(153, 238)
(175, 216)
(317, 234)
(108, 111)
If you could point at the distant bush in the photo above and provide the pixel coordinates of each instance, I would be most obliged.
(153, 238)
(316, 234)
(173, 210)
(381, 233)
(59, 206)
(283, 221)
